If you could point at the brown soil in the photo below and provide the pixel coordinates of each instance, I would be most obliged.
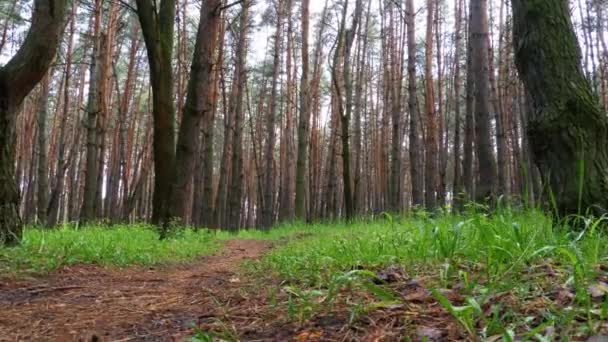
(90, 303)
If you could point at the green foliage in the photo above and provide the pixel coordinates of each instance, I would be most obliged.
(483, 256)
(46, 250)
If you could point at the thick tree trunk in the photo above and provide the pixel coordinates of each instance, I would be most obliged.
(157, 27)
(207, 204)
(486, 188)
(17, 78)
(198, 105)
(236, 106)
(91, 171)
(10, 221)
(304, 123)
(568, 132)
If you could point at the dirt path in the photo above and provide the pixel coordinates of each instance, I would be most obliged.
(87, 303)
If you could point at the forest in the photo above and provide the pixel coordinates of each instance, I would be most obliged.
(306, 170)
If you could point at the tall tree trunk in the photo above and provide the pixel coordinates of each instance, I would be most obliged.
(469, 125)
(17, 78)
(458, 184)
(414, 134)
(91, 172)
(269, 180)
(345, 109)
(207, 204)
(42, 173)
(304, 123)
(395, 108)
(483, 143)
(286, 205)
(157, 27)
(198, 105)
(432, 138)
(224, 176)
(236, 104)
(567, 130)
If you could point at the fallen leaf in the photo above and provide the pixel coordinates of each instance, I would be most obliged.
(308, 335)
(598, 290)
(428, 334)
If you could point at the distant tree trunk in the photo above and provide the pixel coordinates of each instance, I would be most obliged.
(567, 130)
(345, 109)
(42, 173)
(91, 176)
(469, 126)
(128, 92)
(394, 83)
(483, 143)
(304, 123)
(198, 105)
(458, 184)
(287, 200)
(269, 180)
(17, 78)
(432, 142)
(359, 101)
(236, 106)
(443, 133)
(224, 176)
(6, 25)
(207, 204)
(502, 167)
(157, 27)
(414, 133)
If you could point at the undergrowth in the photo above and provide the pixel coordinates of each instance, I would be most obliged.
(513, 274)
(46, 250)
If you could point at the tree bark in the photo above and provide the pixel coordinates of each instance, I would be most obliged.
(91, 170)
(414, 133)
(157, 27)
(17, 78)
(486, 188)
(42, 174)
(567, 130)
(304, 123)
(198, 105)
(432, 139)
(236, 104)
(458, 184)
(269, 179)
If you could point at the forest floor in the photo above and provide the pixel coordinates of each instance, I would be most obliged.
(91, 303)
(510, 276)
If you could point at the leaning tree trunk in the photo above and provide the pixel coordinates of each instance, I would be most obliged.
(17, 78)
(198, 106)
(567, 130)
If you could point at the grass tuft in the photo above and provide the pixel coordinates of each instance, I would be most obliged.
(121, 245)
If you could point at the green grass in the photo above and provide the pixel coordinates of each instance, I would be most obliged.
(520, 255)
(47, 250)
(284, 231)
(482, 256)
